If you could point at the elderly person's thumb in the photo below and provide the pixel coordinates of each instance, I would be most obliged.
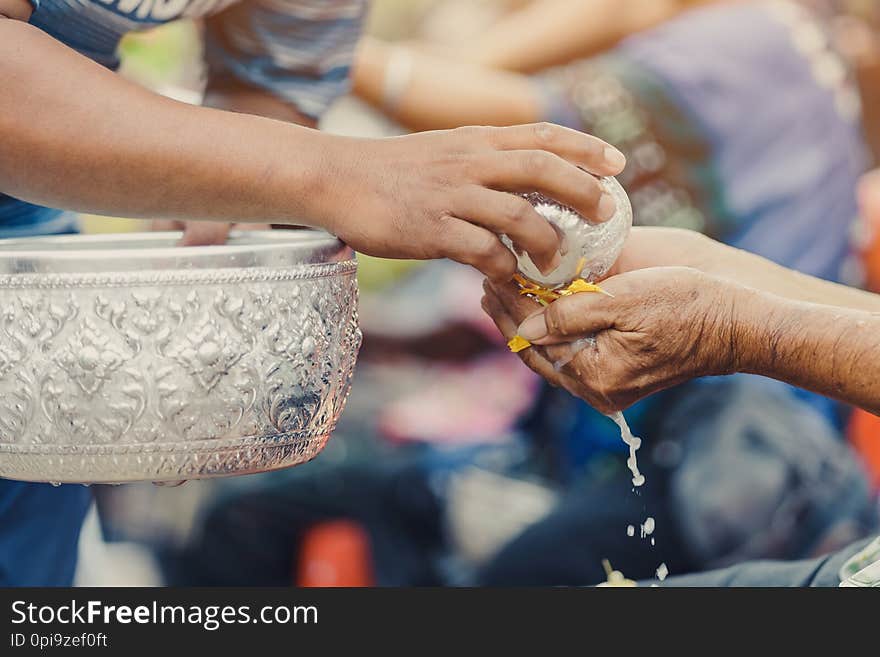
(568, 319)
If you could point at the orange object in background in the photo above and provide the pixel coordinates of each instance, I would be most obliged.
(335, 554)
(864, 434)
(869, 205)
(864, 429)
(872, 266)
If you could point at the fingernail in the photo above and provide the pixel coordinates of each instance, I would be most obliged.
(607, 208)
(614, 158)
(534, 328)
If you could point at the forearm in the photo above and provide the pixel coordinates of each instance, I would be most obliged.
(77, 136)
(553, 32)
(831, 351)
(443, 93)
(762, 274)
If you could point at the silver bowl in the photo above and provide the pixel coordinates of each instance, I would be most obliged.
(126, 358)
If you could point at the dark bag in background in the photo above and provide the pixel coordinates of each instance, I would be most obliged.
(762, 476)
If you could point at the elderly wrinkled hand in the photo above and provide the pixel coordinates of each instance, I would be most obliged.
(662, 326)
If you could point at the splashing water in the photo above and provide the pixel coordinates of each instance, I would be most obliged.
(633, 442)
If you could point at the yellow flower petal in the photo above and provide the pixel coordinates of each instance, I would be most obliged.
(521, 280)
(546, 296)
(518, 344)
(580, 286)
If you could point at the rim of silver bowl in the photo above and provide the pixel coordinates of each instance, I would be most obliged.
(152, 252)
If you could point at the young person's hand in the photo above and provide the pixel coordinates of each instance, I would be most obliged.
(445, 194)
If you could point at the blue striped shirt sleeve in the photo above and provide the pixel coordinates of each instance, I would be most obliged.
(299, 50)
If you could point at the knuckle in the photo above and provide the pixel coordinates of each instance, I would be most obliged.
(473, 135)
(545, 134)
(466, 167)
(538, 163)
(520, 211)
(438, 232)
(504, 264)
(442, 222)
(487, 247)
(495, 137)
(560, 318)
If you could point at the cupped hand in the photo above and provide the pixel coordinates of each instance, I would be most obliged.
(454, 193)
(662, 326)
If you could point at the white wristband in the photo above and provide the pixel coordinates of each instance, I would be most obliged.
(398, 74)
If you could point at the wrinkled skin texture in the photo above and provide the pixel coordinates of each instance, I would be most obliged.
(663, 326)
(685, 306)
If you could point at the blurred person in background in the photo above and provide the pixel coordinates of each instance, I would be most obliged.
(725, 135)
(75, 136)
(756, 141)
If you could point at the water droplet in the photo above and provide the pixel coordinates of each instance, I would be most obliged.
(630, 531)
(662, 572)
